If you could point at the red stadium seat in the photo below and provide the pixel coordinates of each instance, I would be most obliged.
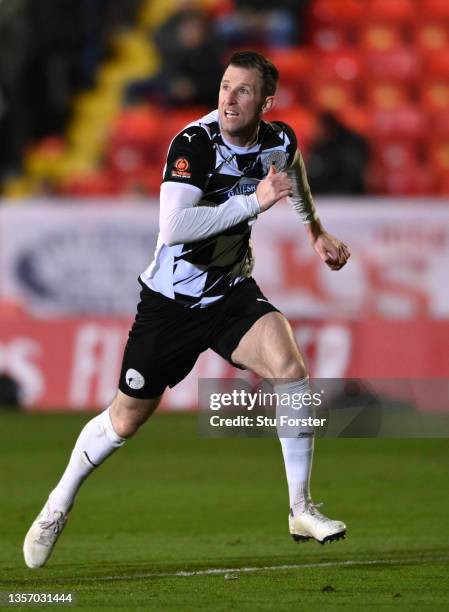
(395, 154)
(294, 65)
(303, 122)
(399, 12)
(137, 125)
(412, 180)
(438, 122)
(437, 64)
(405, 121)
(337, 12)
(443, 185)
(415, 180)
(345, 65)
(134, 141)
(400, 64)
(333, 23)
(99, 183)
(127, 160)
(175, 121)
(329, 39)
(435, 9)
(147, 182)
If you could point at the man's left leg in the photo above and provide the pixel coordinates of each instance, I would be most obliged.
(270, 350)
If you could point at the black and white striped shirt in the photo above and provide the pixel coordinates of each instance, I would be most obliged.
(211, 251)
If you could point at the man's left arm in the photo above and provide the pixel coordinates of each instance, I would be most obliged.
(332, 251)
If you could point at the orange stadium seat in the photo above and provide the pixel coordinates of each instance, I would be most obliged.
(431, 37)
(356, 118)
(386, 95)
(380, 37)
(331, 96)
(438, 155)
(434, 95)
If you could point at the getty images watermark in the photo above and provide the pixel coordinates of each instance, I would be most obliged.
(286, 407)
(361, 408)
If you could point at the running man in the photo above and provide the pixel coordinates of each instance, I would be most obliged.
(222, 172)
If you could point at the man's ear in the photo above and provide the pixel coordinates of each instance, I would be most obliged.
(268, 104)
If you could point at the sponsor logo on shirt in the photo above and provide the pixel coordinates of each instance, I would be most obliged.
(181, 167)
(242, 190)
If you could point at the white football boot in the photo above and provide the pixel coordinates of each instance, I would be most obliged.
(309, 523)
(42, 536)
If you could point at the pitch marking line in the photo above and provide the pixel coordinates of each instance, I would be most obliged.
(268, 568)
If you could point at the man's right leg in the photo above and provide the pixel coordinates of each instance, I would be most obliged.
(101, 437)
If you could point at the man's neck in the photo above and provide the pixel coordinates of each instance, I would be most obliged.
(241, 140)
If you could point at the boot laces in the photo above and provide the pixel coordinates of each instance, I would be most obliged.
(51, 528)
(313, 509)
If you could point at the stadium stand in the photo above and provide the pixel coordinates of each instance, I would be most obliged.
(381, 67)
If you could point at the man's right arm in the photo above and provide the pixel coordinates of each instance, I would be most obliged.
(182, 220)
(184, 217)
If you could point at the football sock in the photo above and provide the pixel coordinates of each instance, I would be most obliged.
(95, 443)
(297, 445)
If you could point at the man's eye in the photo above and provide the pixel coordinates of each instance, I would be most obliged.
(243, 90)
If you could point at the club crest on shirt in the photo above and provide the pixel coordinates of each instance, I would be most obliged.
(181, 167)
(278, 158)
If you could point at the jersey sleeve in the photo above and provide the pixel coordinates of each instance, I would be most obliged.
(290, 140)
(190, 158)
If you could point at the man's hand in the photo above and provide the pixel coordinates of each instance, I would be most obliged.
(332, 251)
(274, 187)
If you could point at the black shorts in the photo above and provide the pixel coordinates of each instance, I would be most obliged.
(167, 338)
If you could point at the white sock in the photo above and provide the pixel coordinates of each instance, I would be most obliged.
(297, 450)
(95, 443)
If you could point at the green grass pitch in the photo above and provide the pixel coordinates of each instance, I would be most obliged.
(170, 502)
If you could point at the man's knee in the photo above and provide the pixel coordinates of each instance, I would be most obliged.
(129, 413)
(289, 367)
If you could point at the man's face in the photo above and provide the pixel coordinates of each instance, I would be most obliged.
(240, 102)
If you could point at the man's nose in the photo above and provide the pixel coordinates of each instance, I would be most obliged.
(230, 97)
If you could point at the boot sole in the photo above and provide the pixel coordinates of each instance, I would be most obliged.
(341, 535)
